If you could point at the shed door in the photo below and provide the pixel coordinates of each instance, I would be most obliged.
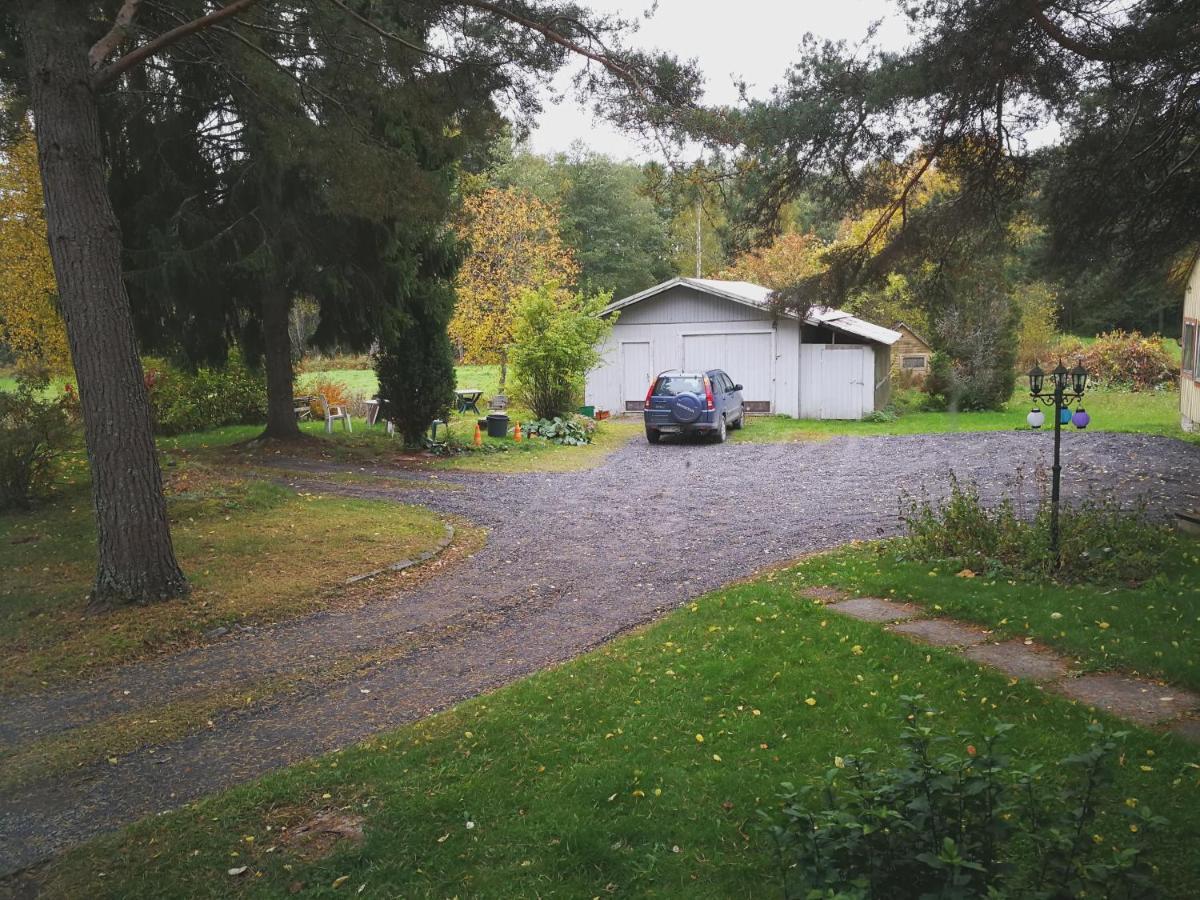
(747, 357)
(846, 381)
(635, 373)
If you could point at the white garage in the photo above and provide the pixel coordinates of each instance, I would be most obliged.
(830, 365)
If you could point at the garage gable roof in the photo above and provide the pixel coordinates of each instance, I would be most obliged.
(759, 297)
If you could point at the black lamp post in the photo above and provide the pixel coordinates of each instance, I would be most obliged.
(1061, 398)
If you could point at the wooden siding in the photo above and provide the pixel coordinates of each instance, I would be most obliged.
(1189, 382)
(682, 304)
(909, 345)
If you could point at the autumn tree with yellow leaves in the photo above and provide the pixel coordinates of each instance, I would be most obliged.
(514, 246)
(29, 321)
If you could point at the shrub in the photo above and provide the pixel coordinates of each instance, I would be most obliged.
(572, 430)
(955, 819)
(1125, 359)
(1098, 540)
(184, 401)
(34, 431)
(415, 363)
(555, 341)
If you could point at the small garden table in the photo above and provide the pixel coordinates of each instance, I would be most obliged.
(468, 399)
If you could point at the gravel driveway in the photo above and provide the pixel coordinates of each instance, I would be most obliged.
(572, 560)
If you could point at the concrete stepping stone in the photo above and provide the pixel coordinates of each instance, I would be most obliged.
(1188, 729)
(1130, 698)
(941, 632)
(875, 609)
(1017, 659)
(824, 594)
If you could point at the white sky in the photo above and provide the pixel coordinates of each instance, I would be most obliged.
(751, 40)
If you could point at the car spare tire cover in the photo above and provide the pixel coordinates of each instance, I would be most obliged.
(686, 408)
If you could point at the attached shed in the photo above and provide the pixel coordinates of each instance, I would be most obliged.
(828, 365)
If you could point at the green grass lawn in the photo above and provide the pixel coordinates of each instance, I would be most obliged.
(1152, 412)
(253, 551)
(636, 770)
(1152, 628)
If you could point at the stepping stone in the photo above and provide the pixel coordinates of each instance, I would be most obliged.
(874, 609)
(942, 632)
(1016, 659)
(1188, 729)
(824, 594)
(1139, 701)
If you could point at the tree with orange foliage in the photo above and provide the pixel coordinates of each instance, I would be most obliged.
(29, 321)
(785, 262)
(515, 246)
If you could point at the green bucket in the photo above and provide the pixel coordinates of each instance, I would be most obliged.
(589, 411)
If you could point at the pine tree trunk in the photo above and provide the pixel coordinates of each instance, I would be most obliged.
(277, 359)
(135, 559)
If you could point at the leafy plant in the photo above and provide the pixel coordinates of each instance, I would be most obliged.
(555, 340)
(1099, 540)
(573, 431)
(955, 819)
(184, 401)
(34, 431)
(334, 392)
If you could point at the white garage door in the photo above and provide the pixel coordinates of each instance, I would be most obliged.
(836, 381)
(747, 357)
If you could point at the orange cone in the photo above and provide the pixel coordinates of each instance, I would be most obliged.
(517, 433)
(478, 436)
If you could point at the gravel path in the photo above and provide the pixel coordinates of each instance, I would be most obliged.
(572, 560)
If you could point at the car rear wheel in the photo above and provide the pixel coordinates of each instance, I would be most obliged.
(652, 436)
(721, 432)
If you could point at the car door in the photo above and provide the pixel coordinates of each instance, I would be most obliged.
(733, 400)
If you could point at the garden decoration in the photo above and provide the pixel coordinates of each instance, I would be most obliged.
(478, 439)
(1060, 398)
(517, 433)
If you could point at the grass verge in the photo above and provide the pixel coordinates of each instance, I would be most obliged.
(254, 552)
(1152, 628)
(635, 770)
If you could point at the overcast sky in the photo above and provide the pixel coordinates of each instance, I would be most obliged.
(750, 40)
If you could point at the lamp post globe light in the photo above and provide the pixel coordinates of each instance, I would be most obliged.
(1065, 387)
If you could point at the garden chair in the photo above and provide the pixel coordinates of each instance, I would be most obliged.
(333, 413)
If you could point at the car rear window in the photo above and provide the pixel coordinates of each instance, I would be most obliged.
(673, 385)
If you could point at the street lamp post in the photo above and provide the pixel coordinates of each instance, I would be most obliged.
(1061, 399)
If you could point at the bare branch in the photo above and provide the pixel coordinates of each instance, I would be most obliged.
(116, 36)
(136, 56)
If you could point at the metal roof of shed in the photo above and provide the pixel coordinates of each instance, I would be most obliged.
(759, 297)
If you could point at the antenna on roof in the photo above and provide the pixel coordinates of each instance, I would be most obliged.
(698, 245)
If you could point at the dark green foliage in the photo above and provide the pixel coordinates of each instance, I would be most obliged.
(415, 361)
(956, 819)
(34, 430)
(1099, 541)
(207, 397)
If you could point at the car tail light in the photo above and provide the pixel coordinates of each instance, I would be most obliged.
(708, 397)
(649, 394)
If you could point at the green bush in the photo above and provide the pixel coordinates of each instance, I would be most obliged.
(572, 430)
(554, 344)
(956, 819)
(34, 430)
(184, 401)
(1099, 541)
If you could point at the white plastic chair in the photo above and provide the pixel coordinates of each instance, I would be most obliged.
(332, 413)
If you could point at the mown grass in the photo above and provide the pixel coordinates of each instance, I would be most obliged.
(1146, 412)
(253, 551)
(1151, 628)
(636, 770)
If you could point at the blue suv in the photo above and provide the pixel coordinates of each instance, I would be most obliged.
(693, 403)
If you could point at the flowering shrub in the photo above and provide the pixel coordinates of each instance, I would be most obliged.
(956, 819)
(1125, 359)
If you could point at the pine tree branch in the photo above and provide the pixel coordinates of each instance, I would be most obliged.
(116, 36)
(138, 55)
